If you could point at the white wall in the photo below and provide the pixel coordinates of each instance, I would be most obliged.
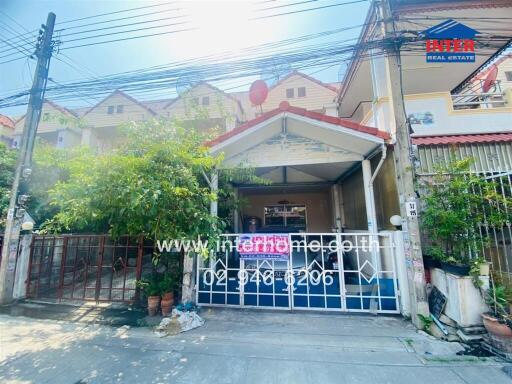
(446, 120)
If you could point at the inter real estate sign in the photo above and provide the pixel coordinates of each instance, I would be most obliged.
(450, 42)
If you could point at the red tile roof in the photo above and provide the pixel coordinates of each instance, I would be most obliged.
(6, 121)
(463, 139)
(286, 107)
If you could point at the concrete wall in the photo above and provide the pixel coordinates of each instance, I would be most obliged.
(353, 202)
(385, 191)
(318, 207)
(446, 120)
(386, 196)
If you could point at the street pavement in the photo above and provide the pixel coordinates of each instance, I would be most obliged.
(238, 346)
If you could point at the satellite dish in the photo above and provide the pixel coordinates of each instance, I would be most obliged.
(490, 79)
(258, 92)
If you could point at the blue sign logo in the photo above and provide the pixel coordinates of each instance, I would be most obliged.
(450, 42)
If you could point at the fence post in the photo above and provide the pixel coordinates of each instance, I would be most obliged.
(62, 266)
(138, 269)
(401, 273)
(22, 277)
(187, 292)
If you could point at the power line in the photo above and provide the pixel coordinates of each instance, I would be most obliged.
(130, 38)
(115, 12)
(309, 9)
(118, 19)
(121, 32)
(285, 5)
(120, 26)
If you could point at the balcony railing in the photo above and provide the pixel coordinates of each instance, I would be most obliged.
(472, 97)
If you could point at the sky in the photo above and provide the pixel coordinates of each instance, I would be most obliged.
(219, 26)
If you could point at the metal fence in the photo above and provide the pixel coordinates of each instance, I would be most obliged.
(87, 267)
(348, 272)
(498, 250)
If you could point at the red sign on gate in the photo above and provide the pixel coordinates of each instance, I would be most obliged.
(263, 247)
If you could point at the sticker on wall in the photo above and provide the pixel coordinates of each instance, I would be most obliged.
(422, 119)
(411, 209)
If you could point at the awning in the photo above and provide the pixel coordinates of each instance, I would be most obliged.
(293, 145)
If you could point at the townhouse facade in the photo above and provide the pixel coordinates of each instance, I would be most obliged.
(328, 150)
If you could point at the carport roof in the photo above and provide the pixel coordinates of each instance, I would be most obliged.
(286, 107)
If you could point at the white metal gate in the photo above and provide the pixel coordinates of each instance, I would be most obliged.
(325, 271)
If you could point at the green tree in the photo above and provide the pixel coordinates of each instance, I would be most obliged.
(7, 166)
(152, 185)
(457, 203)
(155, 184)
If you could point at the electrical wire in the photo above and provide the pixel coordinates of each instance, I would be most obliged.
(308, 9)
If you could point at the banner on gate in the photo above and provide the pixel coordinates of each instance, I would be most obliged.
(263, 247)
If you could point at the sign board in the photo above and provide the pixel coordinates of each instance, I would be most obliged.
(411, 209)
(263, 247)
(436, 302)
(450, 42)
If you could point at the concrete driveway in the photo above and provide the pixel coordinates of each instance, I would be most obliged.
(238, 346)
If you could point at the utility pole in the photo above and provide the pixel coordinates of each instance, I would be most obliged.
(19, 190)
(404, 167)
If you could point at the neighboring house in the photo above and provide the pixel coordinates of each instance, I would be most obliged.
(303, 91)
(101, 122)
(59, 126)
(204, 107)
(6, 130)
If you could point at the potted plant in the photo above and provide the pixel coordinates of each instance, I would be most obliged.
(456, 203)
(167, 286)
(498, 321)
(151, 288)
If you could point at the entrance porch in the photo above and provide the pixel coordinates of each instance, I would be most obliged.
(322, 174)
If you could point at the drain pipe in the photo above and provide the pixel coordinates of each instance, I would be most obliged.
(371, 213)
(383, 157)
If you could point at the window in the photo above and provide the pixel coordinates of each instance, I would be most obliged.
(301, 92)
(110, 109)
(206, 100)
(120, 109)
(289, 93)
(291, 216)
(508, 75)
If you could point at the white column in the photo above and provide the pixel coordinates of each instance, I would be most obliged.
(214, 185)
(369, 197)
(336, 207)
(371, 214)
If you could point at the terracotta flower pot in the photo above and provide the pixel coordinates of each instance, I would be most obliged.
(168, 296)
(496, 328)
(153, 302)
(167, 303)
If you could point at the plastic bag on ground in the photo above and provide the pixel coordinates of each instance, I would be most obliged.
(180, 321)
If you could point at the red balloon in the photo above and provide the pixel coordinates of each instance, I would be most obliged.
(258, 92)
